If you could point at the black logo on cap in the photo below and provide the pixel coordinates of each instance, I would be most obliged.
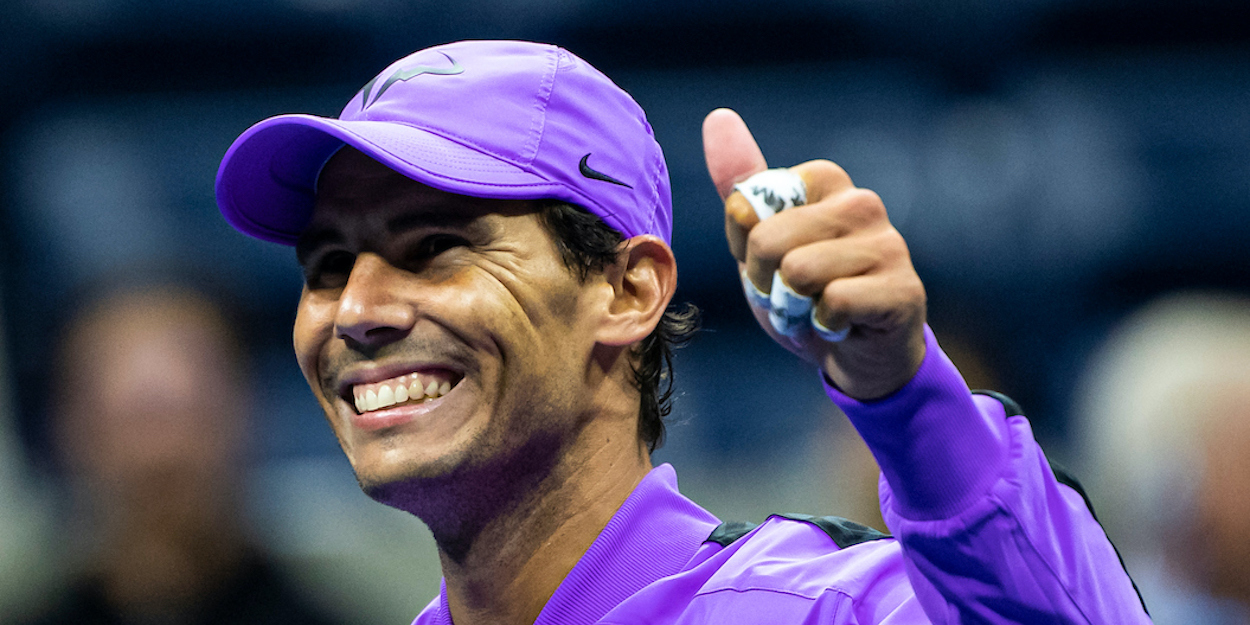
(405, 74)
(597, 175)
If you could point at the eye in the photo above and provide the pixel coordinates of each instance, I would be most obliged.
(330, 271)
(436, 244)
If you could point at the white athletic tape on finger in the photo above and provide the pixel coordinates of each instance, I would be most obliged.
(755, 297)
(831, 336)
(772, 191)
(789, 312)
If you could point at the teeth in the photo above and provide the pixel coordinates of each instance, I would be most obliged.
(378, 396)
(386, 397)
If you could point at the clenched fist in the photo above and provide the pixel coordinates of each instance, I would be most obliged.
(838, 248)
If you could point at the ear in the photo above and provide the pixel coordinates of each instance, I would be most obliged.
(643, 281)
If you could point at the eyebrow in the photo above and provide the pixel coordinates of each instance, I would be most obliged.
(317, 237)
(429, 219)
(313, 239)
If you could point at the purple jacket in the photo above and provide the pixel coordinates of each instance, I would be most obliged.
(984, 534)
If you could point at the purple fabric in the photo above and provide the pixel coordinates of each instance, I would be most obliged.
(985, 535)
(493, 119)
(652, 536)
(931, 438)
(988, 535)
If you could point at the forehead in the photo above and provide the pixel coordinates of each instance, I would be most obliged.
(350, 175)
(353, 187)
(147, 336)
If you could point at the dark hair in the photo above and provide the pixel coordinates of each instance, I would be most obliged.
(588, 245)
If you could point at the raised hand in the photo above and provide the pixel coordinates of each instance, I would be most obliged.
(839, 249)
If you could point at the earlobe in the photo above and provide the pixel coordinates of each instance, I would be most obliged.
(643, 282)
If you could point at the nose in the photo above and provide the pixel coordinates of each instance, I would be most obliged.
(372, 311)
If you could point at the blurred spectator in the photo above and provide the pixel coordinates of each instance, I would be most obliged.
(150, 407)
(1164, 419)
(25, 511)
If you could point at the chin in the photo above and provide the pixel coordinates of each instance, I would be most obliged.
(392, 474)
(459, 488)
(389, 459)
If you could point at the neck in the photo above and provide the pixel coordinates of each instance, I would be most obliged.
(162, 558)
(520, 559)
(513, 534)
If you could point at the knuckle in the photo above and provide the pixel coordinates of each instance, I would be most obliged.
(800, 271)
(823, 177)
(834, 299)
(865, 206)
(892, 245)
(764, 244)
(829, 170)
(917, 290)
(911, 290)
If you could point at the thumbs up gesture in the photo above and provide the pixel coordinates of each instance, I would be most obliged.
(865, 327)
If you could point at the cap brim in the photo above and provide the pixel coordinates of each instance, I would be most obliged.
(267, 179)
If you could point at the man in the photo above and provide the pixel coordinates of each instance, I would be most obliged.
(150, 419)
(485, 238)
(1170, 447)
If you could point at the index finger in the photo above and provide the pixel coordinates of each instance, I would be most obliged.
(822, 178)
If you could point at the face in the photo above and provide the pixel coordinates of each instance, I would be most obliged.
(156, 423)
(1222, 517)
(439, 332)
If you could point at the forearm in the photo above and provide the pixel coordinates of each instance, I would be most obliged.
(938, 451)
(988, 533)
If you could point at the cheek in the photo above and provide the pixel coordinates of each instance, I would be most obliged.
(490, 310)
(314, 325)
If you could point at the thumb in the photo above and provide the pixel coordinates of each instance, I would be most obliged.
(731, 152)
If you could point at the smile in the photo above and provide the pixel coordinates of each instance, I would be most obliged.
(410, 388)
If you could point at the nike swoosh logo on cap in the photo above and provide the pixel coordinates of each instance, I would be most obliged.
(405, 74)
(597, 175)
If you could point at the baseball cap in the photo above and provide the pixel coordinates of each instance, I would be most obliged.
(492, 119)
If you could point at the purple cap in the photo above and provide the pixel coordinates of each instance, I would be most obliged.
(493, 119)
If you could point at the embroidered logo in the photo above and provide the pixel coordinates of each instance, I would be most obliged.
(597, 175)
(403, 74)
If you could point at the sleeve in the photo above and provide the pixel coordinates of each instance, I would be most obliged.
(988, 533)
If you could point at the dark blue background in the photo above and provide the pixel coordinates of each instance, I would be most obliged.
(1052, 163)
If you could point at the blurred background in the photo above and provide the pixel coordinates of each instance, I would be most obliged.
(1055, 166)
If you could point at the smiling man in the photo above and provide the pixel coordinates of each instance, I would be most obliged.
(467, 370)
(485, 234)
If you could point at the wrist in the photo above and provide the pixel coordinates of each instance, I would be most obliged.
(879, 373)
